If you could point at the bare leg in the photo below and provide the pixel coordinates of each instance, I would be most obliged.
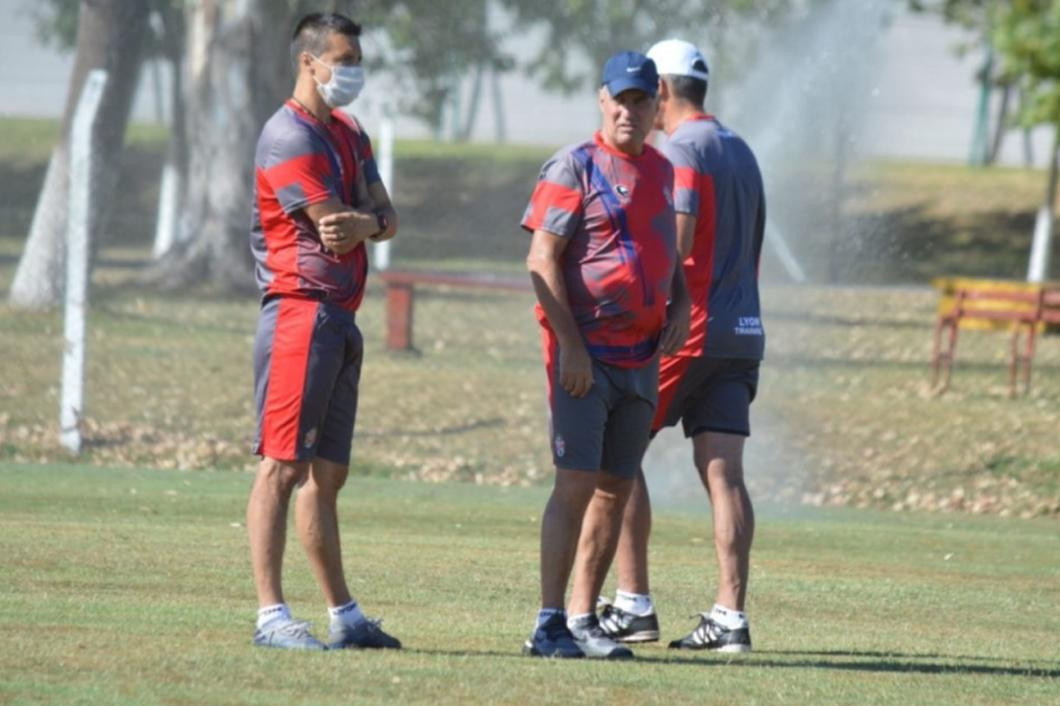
(719, 459)
(316, 517)
(267, 524)
(560, 527)
(632, 554)
(598, 540)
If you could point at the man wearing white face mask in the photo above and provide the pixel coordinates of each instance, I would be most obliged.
(318, 198)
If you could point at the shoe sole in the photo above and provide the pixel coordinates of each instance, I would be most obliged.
(642, 636)
(730, 649)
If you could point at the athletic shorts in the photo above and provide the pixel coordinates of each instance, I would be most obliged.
(706, 394)
(307, 363)
(609, 428)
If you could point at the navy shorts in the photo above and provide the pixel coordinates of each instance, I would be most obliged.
(706, 394)
(307, 363)
(609, 428)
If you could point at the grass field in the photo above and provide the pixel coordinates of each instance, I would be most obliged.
(133, 587)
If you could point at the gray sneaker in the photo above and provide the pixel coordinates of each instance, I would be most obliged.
(364, 635)
(593, 641)
(287, 634)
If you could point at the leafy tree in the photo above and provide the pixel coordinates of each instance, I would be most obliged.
(1027, 33)
(581, 34)
(109, 35)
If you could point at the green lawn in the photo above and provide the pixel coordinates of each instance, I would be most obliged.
(133, 586)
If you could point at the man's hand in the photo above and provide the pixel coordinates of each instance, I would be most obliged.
(676, 330)
(342, 232)
(575, 369)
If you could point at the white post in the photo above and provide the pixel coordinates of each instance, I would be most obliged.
(166, 219)
(381, 251)
(78, 235)
(1038, 267)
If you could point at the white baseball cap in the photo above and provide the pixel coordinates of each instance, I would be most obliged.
(677, 57)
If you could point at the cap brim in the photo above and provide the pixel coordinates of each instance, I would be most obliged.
(632, 83)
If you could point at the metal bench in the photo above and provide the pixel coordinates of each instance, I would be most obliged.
(400, 295)
(1023, 308)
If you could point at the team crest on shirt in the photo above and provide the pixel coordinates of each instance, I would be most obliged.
(668, 195)
(622, 190)
(310, 437)
(560, 446)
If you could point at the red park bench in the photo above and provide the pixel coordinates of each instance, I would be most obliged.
(400, 293)
(1023, 308)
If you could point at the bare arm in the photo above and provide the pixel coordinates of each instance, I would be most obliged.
(343, 228)
(678, 314)
(543, 262)
(686, 234)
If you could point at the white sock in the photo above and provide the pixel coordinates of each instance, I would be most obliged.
(635, 603)
(271, 612)
(580, 616)
(349, 614)
(732, 619)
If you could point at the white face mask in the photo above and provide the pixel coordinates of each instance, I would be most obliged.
(345, 84)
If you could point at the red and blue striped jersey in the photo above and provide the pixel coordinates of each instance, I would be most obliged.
(617, 212)
(717, 180)
(302, 161)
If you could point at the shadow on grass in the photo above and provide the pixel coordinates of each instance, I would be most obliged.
(875, 662)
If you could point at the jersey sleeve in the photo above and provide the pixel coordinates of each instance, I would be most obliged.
(689, 181)
(556, 204)
(298, 169)
(365, 155)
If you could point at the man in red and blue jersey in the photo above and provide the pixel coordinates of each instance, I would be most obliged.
(317, 199)
(603, 262)
(709, 384)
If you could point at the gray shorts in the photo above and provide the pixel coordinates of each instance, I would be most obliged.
(307, 363)
(609, 428)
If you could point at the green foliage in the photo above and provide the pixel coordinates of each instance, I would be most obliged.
(434, 45)
(1027, 33)
(594, 29)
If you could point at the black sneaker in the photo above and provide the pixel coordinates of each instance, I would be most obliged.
(709, 635)
(627, 627)
(366, 634)
(553, 639)
(594, 642)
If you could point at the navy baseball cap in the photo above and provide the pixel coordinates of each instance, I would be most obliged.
(630, 69)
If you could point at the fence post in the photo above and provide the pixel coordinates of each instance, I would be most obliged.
(381, 251)
(78, 237)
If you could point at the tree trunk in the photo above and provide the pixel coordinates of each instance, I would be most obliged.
(237, 74)
(1002, 126)
(1042, 244)
(109, 36)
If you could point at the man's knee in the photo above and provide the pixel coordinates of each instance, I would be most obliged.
(284, 476)
(328, 477)
(614, 489)
(719, 457)
(574, 488)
